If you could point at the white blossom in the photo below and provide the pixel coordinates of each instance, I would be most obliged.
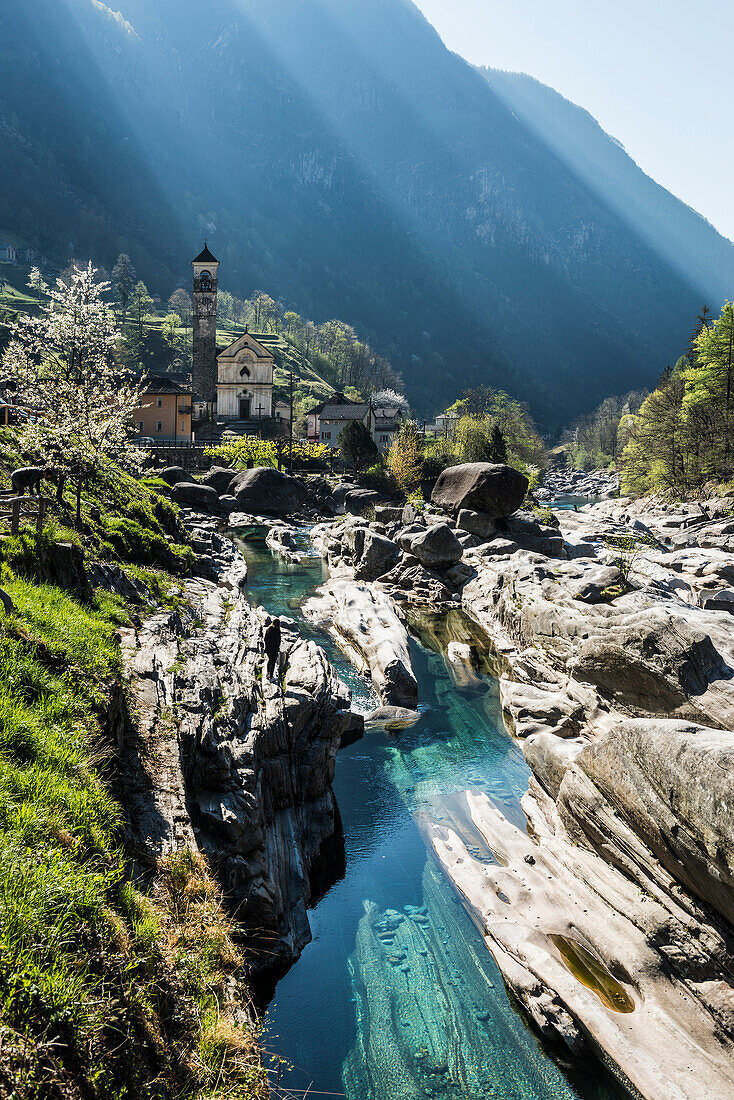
(61, 366)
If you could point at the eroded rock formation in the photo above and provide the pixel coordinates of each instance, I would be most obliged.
(236, 765)
(363, 621)
(611, 916)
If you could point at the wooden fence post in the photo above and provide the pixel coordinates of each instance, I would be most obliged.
(15, 518)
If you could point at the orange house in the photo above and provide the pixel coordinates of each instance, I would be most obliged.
(165, 412)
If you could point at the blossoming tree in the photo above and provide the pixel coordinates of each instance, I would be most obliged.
(61, 366)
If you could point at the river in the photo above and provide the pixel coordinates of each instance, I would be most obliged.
(397, 996)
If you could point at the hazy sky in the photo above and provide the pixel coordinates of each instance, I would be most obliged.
(657, 74)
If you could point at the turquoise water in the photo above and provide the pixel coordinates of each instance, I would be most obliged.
(566, 502)
(397, 997)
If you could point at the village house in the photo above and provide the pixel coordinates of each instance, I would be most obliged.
(385, 425)
(334, 418)
(313, 415)
(30, 256)
(8, 254)
(166, 410)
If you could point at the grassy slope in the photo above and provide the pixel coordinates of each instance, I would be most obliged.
(105, 991)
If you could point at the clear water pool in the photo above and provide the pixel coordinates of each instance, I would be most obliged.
(397, 996)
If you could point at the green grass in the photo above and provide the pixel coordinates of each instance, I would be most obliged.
(15, 294)
(59, 864)
(106, 993)
(123, 519)
(96, 979)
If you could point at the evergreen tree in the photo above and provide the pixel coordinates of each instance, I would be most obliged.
(139, 306)
(123, 282)
(357, 445)
(702, 322)
(497, 445)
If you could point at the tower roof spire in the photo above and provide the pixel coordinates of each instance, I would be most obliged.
(205, 257)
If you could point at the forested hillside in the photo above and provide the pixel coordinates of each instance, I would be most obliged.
(156, 338)
(340, 158)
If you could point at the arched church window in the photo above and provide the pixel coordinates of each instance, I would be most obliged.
(205, 281)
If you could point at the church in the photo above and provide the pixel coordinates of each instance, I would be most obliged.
(236, 383)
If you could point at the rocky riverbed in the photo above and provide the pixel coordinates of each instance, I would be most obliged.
(599, 484)
(221, 758)
(610, 914)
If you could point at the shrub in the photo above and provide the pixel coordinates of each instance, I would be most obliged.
(379, 478)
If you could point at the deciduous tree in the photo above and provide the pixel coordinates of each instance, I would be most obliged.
(405, 458)
(61, 365)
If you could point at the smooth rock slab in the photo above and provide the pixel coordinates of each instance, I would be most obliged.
(365, 624)
(545, 890)
(391, 718)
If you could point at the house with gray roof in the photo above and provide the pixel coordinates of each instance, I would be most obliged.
(334, 418)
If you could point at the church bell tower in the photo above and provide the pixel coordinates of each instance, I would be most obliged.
(205, 326)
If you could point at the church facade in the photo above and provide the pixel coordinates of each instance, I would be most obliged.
(245, 380)
(236, 383)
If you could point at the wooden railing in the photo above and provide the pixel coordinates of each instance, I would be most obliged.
(15, 508)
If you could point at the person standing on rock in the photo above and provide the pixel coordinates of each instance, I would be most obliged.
(272, 639)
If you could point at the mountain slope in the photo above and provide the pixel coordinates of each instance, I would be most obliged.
(338, 155)
(681, 236)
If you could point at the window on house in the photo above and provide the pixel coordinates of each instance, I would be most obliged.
(159, 426)
(159, 402)
(183, 426)
(141, 425)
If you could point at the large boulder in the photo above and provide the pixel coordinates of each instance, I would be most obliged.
(266, 491)
(340, 491)
(174, 475)
(488, 487)
(378, 555)
(529, 534)
(219, 478)
(477, 523)
(195, 496)
(436, 547)
(359, 501)
(228, 504)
